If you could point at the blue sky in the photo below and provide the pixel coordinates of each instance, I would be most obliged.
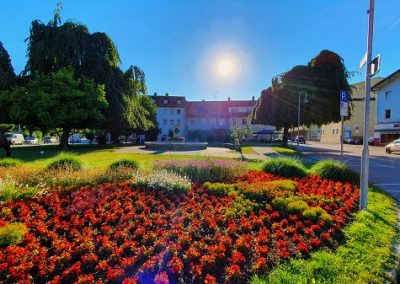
(179, 43)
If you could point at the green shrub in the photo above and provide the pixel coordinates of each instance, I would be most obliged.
(241, 206)
(279, 203)
(316, 214)
(12, 233)
(131, 164)
(164, 180)
(335, 170)
(284, 184)
(297, 206)
(65, 161)
(9, 191)
(8, 162)
(285, 167)
(220, 188)
(204, 170)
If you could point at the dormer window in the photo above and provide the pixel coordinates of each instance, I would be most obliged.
(178, 101)
(165, 101)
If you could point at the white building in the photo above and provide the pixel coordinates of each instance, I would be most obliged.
(171, 115)
(387, 126)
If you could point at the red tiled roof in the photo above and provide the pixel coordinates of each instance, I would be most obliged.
(216, 108)
(172, 101)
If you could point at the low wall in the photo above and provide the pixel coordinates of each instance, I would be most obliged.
(176, 146)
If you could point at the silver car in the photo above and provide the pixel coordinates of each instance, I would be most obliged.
(393, 147)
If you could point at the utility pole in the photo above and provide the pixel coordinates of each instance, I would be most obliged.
(365, 150)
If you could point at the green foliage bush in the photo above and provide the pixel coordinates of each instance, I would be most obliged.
(265, 191)
(9, 191)
(297, 206)
(8, 162)
(204, 170)
(334, 170)
(164, 180)
(220, 188)
(283, 184)
(241, 206)
(285, 167)
(12, 233)
(316, 214)
(125, 163)
(65, 161)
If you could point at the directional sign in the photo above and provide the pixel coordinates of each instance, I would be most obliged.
(344, 109)
(344, 96)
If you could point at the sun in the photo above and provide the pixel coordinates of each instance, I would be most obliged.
(225, 67)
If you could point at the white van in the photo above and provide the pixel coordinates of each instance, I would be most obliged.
(15, 138)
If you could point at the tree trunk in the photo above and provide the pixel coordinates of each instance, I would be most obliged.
(64, 139)
(114, 137)
(285, 135)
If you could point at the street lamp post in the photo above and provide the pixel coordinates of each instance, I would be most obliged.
(298, 116)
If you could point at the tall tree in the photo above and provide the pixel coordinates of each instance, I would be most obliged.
(7, 75)
(60, 101)
(322, 79)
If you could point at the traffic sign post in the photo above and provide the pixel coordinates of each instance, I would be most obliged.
(344, 111)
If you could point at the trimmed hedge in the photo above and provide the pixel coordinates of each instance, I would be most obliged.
(335, 170)
(285, 167)
(65, 161)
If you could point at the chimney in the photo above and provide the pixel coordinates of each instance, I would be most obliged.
(155, 94)
(203, 100)
(253, 98)
(229, 99)
(166, 94)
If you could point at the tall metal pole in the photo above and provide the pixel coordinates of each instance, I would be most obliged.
(365, 151)
(298, 124)
(341, 134)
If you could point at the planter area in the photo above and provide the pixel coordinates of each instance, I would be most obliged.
(214, 233)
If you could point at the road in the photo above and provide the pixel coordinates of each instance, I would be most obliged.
(384, 169)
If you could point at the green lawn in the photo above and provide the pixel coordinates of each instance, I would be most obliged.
(99, 156)
(288, 150)
(245, 150)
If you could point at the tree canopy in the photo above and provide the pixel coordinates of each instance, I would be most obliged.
(7, 75)
(58, 100)
(322, 79)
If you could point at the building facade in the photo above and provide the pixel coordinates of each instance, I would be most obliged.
(202, 120)
(387, 127)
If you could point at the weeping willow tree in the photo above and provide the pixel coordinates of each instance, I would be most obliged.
(54, 46)
(322, 79)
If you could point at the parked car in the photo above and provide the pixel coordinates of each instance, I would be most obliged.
(50, 139)
(75, 138)
(354, 141)
(393, 147)
(31, 140)
(301, 140)
(15, 138)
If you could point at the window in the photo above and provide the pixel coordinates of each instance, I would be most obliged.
(244, 121)
(333, 131)
(387, 113)
(171, 122)
(178, 111)
(192, 121)
(337, 130)
(178, 101)
(234, 121)
(178, 122)
(165, 101)
(165, 122)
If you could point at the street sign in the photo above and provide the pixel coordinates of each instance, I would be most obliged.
(344, 108)
(363, 60)
(344, 96)
(375, 65)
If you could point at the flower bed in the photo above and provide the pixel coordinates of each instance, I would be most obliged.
(122, 233)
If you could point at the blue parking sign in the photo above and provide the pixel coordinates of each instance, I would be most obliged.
(344, 96)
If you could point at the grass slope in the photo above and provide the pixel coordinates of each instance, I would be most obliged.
(364, 258)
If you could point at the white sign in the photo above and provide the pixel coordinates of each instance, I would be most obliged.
(344, 109)
(363, 60)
